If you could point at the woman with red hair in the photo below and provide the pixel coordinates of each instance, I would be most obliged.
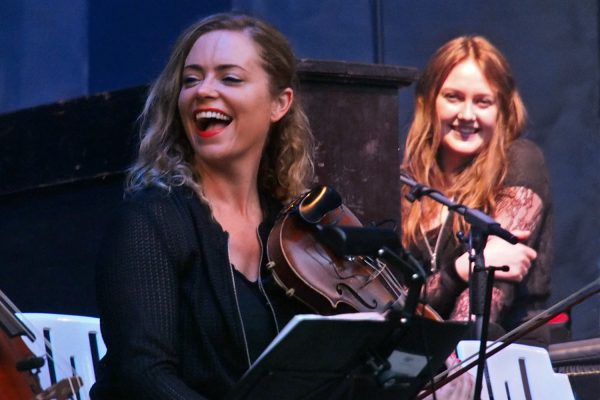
(465, 142)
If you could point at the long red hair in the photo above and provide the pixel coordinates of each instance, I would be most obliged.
(478, 183)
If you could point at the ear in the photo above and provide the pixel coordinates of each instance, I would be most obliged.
(281, 104)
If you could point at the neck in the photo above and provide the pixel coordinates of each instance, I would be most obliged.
(230, 185)
(434, 218)
(232, 196)
(452, 164)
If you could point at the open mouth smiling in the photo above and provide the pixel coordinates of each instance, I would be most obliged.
(211, 122)
(465, 130)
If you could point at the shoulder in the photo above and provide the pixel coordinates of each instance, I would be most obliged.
(527, 167)
(523, 153)
(156, 195)
(159, 199)
(161, 208)
(154, 218)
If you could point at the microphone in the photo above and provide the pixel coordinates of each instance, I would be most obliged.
(404, 175)
(475, 217)
(381, 243)
(486, 223)
(358, 241)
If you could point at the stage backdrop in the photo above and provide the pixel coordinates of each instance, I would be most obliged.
(52, 51)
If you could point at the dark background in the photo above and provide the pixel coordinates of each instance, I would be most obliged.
(53, 51)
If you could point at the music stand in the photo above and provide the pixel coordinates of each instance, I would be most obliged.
(320, 357)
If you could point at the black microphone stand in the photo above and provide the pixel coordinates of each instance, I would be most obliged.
(481, 279)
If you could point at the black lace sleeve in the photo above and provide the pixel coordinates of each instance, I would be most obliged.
(523, 204)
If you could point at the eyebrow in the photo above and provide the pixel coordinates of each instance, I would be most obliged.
(222, 67)
(454, 89)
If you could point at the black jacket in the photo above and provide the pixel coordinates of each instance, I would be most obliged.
(167, 306)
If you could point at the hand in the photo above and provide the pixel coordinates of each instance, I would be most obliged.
(499, 252)
(460, 388)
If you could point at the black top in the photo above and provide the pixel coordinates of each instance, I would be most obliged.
(517, 302)
(168, 308)
(257, 317)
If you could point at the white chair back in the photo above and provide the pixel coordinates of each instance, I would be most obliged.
(519, 372)
(73, 342)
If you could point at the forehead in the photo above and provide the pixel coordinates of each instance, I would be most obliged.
(467, 76)
(223, 48)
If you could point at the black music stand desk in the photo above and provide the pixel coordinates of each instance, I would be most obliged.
(351, 356)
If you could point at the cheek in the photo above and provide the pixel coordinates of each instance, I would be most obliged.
(445, 111)
(439, 108)
(181, 106)
(262, 110)
(490, 119)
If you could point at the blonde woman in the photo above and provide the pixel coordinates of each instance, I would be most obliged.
(182, 292)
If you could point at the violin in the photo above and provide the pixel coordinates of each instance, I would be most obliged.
(310, 271)
(328, 283)
(14, 382)
(19, 366)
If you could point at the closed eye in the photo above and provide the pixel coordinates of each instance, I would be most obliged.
(232, 79)
(485, 102)
(451, 96)
(190, 80)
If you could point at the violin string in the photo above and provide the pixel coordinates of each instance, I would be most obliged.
(71, 385)
(382, 270)
(378, 271)
(392, 282)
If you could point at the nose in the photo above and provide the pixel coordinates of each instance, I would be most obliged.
(467, 113)
(206, 88)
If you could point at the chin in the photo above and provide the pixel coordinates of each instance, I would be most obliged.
(465, 148)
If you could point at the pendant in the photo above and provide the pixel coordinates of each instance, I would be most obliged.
(433, 264)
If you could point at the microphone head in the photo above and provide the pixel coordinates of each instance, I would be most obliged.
(318, 202)
(359, 241)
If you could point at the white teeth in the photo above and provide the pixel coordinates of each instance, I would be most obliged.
(465, 130)
(212, 115)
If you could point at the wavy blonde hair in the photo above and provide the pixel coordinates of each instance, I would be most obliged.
(165, 157)
(478, 182)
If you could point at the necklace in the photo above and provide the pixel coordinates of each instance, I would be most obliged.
(434, 252)
(239, 311)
